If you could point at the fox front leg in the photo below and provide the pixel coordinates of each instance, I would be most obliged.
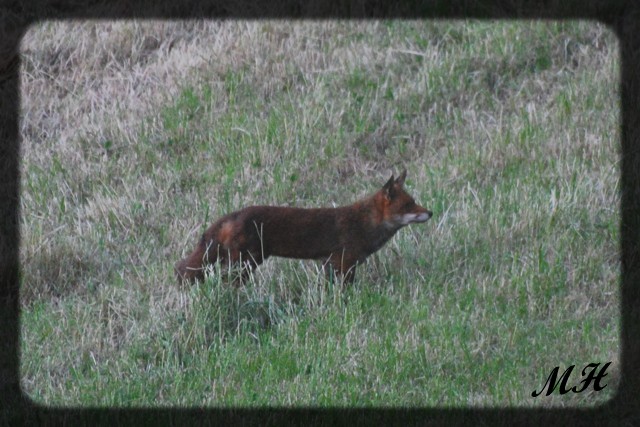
(344, 268)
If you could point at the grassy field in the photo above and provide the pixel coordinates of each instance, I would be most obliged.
(136, 136)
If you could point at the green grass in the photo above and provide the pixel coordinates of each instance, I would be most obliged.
(509, 132)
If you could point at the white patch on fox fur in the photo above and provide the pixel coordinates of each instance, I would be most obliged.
(411, 217)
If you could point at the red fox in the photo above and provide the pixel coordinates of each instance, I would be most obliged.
(342, 236)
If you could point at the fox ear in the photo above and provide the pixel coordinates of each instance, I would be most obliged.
(401, 178)
(389, 183)
(388, 187)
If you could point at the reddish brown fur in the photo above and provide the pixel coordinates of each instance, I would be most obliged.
(342, 236)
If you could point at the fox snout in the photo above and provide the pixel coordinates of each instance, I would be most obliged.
(424, 216)
(410, 218)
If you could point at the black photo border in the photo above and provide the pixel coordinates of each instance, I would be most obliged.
(619, 15)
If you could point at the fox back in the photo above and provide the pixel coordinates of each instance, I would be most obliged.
(343, 236)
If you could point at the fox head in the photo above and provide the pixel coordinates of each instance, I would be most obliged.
(397, 207)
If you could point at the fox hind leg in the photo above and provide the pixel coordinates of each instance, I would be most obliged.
(240, 264)
(192, 267)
